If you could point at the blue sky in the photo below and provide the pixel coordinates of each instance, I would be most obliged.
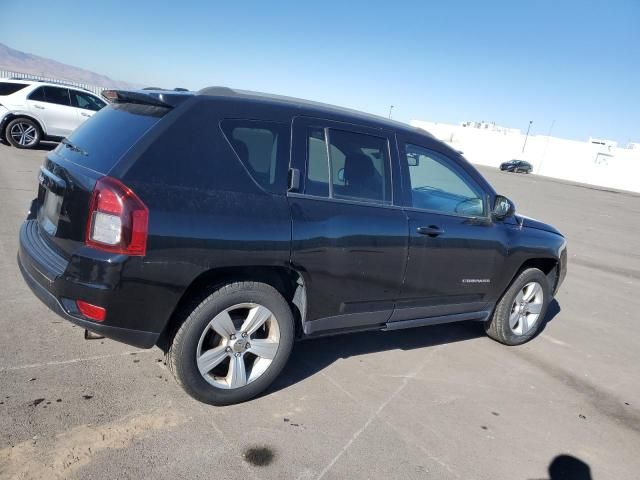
(575, 62)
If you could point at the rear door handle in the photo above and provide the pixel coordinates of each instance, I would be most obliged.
(84, 114)
(431, 230)
(39, 106)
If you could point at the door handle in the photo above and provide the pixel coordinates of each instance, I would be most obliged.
(39, 106)
(84, 114)
(431, 230)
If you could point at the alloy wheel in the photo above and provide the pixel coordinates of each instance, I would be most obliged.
(238, 345)
(23, 134)
(526, 308)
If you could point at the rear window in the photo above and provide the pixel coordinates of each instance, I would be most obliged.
(103, 139)
(7, 88)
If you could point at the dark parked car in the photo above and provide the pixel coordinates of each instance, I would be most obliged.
(222, 225)
(517, 166)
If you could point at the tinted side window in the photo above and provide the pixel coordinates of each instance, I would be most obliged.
(57, 95)
(86, 101)
(38, 95)
(7, 88)
(437, 186)
(317, 163)
(263, 148)
(349, 165)
(359, 166)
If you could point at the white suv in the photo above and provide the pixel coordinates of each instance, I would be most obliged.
(31, 111)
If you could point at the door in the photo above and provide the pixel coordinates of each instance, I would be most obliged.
(349, 235)
(454, 247)
(85, 104)
(52, 106)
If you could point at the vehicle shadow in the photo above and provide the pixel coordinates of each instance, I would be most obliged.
(313, 355)
(552, 312)
(46, 146)
(42, 146)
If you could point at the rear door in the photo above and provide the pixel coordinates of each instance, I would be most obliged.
(85, 104)
(349, 235)
(52, 106)
(454, 247)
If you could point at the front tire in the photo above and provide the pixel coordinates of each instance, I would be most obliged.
(23, 132)
(520, 313)
(233, 344)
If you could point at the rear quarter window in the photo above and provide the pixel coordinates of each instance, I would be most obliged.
(8, 88)
(263, 148)
(107, 135)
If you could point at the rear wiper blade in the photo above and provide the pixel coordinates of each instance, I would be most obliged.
(73, 147)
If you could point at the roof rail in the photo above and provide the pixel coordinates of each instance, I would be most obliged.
(216, 90)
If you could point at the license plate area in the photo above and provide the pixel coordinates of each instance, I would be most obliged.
(49, 213)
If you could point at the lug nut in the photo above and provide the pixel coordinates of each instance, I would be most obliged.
(238, 354)
(247, 345)
(244, 334)
(233, 337)
(228, 349)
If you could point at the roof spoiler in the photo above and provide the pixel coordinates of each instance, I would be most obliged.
(157, 98)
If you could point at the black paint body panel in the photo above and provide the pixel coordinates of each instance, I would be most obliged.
(362, 265)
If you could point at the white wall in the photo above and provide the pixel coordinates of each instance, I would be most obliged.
(554, 157)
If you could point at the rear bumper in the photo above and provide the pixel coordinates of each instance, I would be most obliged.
(43, 271)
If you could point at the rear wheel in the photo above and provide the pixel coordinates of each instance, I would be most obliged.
(233, 344)
(520, 313)
(23, 133)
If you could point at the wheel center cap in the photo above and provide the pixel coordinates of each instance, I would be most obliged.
(239, 345)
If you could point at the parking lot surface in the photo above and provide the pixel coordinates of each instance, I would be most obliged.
(436, 402)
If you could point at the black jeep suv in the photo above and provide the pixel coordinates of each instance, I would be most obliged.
(221, 225)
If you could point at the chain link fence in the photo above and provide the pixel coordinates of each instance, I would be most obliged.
(41, 78)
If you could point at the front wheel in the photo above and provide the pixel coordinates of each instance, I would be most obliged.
(23, 133)
(233, 344)
(519, 315)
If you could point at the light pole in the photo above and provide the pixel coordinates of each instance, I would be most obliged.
(527, 136)
(390, 108)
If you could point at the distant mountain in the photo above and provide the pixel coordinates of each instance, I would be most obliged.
(17, 61)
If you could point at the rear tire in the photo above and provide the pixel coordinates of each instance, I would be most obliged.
(520, 313)
(23, 132)
(232, 345)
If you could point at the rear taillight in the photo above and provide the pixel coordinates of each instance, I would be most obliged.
(91, 311)
(118, 219)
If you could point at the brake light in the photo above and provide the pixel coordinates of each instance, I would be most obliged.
(118, 220)
(91, 311)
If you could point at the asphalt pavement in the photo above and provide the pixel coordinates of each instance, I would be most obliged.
(442, 402)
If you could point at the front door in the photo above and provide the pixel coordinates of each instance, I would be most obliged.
(454, 247)
(85, 105)
(349, 234)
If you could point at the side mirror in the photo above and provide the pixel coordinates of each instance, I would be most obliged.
(341, 175)
(503, 208)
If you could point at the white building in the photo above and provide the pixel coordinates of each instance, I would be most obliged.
(597, 161)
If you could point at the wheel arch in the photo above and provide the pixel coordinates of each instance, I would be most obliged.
(12, 116)
(288, 282)
(548, 266)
